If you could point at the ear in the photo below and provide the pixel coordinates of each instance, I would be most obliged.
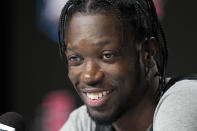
(149, 52)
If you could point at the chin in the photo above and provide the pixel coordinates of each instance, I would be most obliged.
(102, 117)
(107, 117)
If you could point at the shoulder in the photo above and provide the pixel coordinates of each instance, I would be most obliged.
(79, 120)
(177, 109)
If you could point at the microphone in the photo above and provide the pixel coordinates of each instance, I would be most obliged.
(12, 121)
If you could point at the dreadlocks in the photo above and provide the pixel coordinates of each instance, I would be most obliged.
(142, 16)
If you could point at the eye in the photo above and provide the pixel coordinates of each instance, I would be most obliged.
(108, 56)
(74, 60)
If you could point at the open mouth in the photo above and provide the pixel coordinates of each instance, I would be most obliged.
(96, 99)
(97, 95)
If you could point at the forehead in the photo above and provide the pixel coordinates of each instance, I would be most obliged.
(93, 27)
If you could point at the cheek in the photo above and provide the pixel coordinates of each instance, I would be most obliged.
(73, 74)
(121, 69)
(124, 72)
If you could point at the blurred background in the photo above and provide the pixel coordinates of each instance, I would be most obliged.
(33, 79)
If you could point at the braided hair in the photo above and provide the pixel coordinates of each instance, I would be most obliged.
(140, 14)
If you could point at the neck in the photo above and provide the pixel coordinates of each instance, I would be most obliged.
(140, 118)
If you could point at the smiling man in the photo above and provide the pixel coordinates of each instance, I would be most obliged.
(116, 55)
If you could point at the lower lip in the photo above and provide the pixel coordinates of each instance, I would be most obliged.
(96, 102)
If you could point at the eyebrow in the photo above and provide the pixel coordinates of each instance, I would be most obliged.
(101, 43)
(70, 49)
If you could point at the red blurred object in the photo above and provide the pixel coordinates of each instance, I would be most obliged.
(159, 8)
(56, 107)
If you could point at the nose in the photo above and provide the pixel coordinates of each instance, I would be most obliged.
(92, 74)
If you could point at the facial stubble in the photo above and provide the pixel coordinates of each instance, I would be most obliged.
(124, 105)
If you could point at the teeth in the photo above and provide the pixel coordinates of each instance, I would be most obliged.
(104, 93)
(100, 95)
(95, 96)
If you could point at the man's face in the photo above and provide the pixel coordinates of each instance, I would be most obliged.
(106, 79)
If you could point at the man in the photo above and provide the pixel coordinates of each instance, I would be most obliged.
(116, 55)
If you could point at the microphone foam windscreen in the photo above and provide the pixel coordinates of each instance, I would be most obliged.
(14, 120)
